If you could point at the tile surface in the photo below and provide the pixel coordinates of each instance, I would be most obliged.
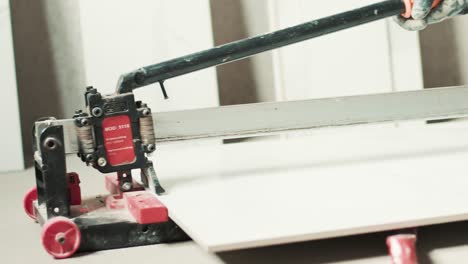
(329, 183)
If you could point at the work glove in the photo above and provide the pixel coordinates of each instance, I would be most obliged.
(423, 14)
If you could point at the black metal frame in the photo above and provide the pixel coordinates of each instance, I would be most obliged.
(51, 176)
(99, 230)
(116, 105)
(102, 234)
(113, 106)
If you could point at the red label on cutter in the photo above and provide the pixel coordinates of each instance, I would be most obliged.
(118, 140)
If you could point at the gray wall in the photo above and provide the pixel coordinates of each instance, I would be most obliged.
(236, 80)
(444, 50)
(49, 61)
(249, 80)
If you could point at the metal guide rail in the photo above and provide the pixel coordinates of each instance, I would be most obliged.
(266, 118)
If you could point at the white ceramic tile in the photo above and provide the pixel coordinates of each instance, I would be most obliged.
(335, 182)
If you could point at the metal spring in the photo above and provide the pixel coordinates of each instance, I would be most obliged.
(85, 137)
(147, 130)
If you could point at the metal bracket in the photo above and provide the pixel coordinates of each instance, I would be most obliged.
(51, 173)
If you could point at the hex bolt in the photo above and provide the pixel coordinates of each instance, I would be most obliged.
(126, 186)
(97, 111)
(102, 162)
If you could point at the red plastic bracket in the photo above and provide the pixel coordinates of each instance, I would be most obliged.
(146, 208)
(402, 249)
(74, 188)
(118, 140)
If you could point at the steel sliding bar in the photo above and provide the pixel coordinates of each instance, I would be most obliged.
(269, 118)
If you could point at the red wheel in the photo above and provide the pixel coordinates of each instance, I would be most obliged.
(61, 237)
(28, 200)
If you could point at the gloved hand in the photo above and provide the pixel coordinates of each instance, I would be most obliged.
(423, 15)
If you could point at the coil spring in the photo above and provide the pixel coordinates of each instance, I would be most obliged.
(85, 137)
(147, 130)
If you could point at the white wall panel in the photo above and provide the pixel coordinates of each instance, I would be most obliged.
(365, 59)
(11, 150)
(121, 36)
(374, 58)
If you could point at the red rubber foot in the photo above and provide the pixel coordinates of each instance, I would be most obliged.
(146, 208)
(28, 200)
(402, 249)
(61, 237)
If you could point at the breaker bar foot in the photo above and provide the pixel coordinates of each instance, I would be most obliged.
(402, 248)
(118, 220)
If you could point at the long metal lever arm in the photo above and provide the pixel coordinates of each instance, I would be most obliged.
(248, 47)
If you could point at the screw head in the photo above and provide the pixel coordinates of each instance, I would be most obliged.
(97, 111)
(126, 186)
(84, 122)
(151, 147)
(102, 162)
(89, 157)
